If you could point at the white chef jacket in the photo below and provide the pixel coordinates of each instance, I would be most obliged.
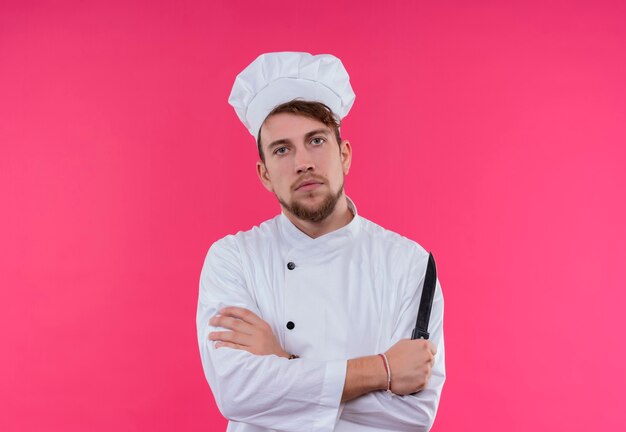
(350, 293)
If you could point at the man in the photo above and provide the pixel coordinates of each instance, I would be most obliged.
(304, 321)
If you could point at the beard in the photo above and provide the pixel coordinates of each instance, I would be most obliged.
(316, 214)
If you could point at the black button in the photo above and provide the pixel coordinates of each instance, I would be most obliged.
(291, 265)
(290, 325)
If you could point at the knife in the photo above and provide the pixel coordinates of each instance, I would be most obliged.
(426, 302)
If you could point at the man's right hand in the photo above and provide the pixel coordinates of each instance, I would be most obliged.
(411, 363)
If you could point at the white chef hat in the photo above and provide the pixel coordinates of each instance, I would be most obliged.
(276, 78)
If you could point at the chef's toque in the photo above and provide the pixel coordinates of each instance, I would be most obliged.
(276, 78)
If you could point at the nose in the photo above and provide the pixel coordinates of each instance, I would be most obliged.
(304, 162)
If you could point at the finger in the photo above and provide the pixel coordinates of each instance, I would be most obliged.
(231, 337)
(433, 348)
(242, 313)
(231, 323)
(222, 344)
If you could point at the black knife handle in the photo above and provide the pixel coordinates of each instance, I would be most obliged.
(419, 334)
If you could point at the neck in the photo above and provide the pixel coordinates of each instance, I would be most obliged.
(340, 217)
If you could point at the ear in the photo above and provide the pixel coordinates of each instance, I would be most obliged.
(345, 151)
(264, 175)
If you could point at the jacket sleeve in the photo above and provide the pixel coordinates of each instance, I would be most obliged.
(410, 412)
(266, 391)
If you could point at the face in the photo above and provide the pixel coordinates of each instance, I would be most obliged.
(304, 165)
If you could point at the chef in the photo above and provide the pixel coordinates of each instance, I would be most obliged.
(304, 322)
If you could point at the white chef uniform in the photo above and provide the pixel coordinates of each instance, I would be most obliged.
(350, 293)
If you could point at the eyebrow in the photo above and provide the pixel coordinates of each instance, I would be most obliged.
(316, 132)
(277, 143)
(307, 136)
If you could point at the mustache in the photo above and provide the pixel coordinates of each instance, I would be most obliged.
(307, 179)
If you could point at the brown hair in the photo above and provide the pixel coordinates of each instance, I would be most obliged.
(315, 110)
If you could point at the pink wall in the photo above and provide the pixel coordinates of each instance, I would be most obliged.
(493, 134)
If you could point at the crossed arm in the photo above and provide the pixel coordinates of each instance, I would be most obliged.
(253, 381)
(410, 361)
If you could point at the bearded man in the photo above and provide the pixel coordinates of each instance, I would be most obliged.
(304, 322)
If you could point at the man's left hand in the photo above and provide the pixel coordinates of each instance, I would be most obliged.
(249, 332)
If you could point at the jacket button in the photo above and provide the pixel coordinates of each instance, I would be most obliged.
(291, 265)
(290, 325)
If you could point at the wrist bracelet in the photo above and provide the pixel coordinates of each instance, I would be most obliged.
(293, 356)
(388, 370)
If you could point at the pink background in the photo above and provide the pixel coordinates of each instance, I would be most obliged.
(491, 133)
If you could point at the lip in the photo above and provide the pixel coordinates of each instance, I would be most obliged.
(309, 183)
(308, 186)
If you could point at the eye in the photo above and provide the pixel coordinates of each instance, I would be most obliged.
(318, 141)
(280, 151)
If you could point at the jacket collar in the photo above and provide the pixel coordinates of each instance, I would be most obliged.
(297, 238)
